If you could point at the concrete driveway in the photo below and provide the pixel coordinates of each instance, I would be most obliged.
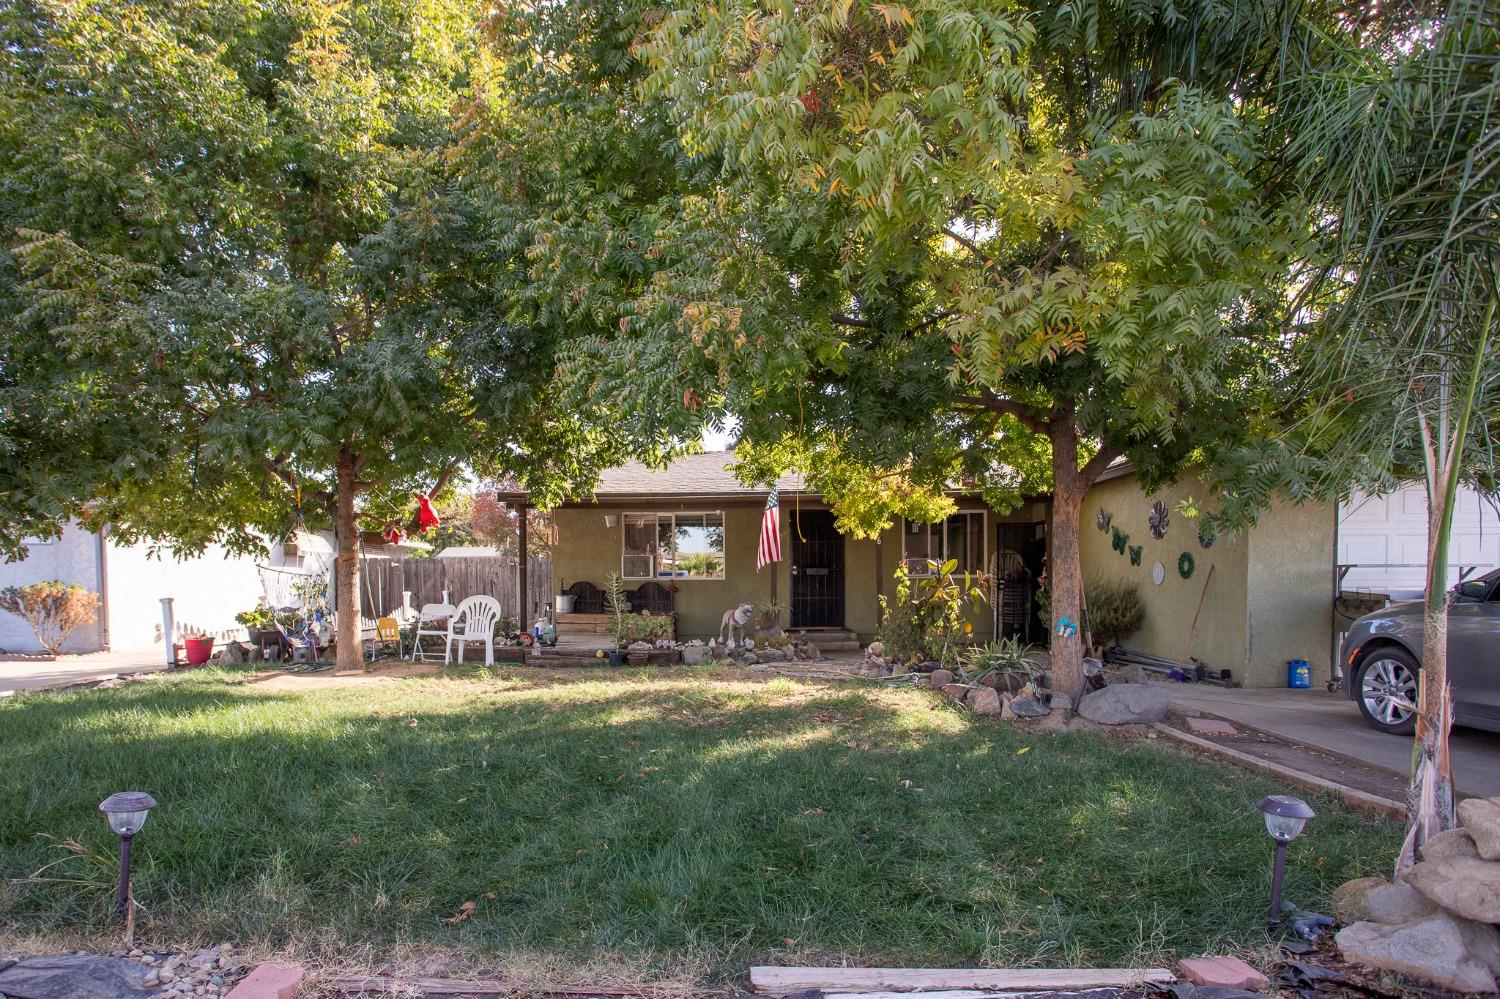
(38, 675)
(1332, 723)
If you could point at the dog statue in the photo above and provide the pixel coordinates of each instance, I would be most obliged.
(736, 618)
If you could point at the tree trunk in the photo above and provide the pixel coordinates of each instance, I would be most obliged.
(346, 566)
(1064, 573)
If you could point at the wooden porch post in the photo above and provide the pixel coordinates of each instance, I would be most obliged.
(522, 594)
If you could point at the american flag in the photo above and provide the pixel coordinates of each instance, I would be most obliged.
(770, 532)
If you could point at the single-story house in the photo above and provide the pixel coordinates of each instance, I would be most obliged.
(693, 529)
(684, 538)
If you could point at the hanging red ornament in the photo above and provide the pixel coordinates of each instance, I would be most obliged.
(394, 534)
(427, 517)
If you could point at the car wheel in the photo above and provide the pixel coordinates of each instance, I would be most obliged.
(1387, 685)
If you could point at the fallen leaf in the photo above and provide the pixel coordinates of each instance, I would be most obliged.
(464, 912)
(1023, 750)
(491, 895)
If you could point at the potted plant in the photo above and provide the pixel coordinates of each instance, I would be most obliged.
(199, 648)
(618, 609)
(637, 634)
(260, 624)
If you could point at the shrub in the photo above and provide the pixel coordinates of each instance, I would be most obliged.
(53, 609)
(618, 609)
(1114, 608)
(1006, 656)
(927, 618)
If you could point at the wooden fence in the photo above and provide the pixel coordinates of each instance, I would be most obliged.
(495, 576)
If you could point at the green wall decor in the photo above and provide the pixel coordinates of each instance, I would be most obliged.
(1135, 554)
(1118, 539)
(1206, 536)
(1185, 565)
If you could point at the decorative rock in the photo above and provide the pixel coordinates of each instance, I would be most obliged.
(985, 702)
(1061, 702)
(1450, 843)
(269, 981)
(940, 678)
(1397, 903)
(1125, 704)
(929, 666)
(78, 976)
(1223, 972)
(771, 654)
(1467, 886)
(695, 655)
(899, 669)
(1006, 713)
(1351, 900)
(876, 649)
(1436, 949)
(955, 691)
(1481, 818)
(1025, 707)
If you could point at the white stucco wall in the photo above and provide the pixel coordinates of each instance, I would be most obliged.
(207, 591)
(72, 558)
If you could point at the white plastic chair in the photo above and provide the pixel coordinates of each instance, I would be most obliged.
(427, 625)
(473, 621)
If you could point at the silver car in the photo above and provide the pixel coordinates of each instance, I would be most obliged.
(1383, 652)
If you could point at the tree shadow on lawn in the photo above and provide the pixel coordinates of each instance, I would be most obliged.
(777, 822)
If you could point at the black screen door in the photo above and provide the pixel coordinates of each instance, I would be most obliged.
(817, 571)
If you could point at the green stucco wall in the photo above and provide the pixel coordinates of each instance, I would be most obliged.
(1268, 598)
(1220, 636)
(1291, 591)
(588, 550)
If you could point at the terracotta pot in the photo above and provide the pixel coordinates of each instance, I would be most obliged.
(638, 658)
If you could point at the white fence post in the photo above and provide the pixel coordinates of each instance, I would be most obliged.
(166, 631)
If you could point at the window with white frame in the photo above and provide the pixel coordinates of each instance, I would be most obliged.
(960, 537)
(673, 546)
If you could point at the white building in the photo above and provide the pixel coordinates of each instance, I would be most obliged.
(1383, 539)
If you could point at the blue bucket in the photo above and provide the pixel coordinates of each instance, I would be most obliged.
(1298, 674)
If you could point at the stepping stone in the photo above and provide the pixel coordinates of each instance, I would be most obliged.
(1224, 972)
(1211, 726)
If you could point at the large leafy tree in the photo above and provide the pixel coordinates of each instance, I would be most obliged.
(1004, 239)
(242, 274)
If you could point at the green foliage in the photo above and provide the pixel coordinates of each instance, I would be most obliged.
(647, 627)
(52, 609)
(1006, 656)
(928, 616)
(258, 618)
(1115, 609)
(618, 609)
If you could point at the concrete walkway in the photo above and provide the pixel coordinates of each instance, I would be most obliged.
(39, 675)
(1332, 723)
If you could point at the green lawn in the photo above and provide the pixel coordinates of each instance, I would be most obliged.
(671, 821)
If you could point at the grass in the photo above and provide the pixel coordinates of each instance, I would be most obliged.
(673, 822)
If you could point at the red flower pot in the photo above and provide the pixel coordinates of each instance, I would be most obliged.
(198, 650)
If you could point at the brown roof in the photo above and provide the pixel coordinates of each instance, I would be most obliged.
(706, 474)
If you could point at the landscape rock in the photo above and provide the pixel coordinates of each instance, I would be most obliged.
(940, 678)
(876, 649)
(1125, 704)
(955, 691)
(77, 976)
(234, 652)
(1006, 713)
(1434, 949)
(1025, 707)
(1450, 843)
(1062, 702)
(929, 666)
(1467, 886)
(1481, 818)
(986, 702)
(1397, 903)
(1211, 726)
(695, 655)
(771, 654)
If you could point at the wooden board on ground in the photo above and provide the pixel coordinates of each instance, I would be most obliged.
(777, 980)
(1092, 993)
(379, 985)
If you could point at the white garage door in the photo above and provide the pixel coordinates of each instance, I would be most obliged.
(1385, 537)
